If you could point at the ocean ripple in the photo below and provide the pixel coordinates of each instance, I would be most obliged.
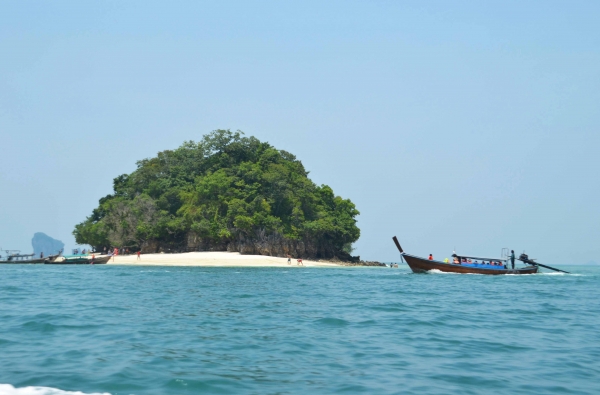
(121, 330)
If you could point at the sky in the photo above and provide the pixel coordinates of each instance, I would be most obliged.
(463, 125)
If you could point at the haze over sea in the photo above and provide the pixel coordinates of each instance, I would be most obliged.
(176, 330)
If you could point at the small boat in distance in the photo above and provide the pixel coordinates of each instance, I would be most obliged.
(80, 260)
(424, 265)
(15, 257)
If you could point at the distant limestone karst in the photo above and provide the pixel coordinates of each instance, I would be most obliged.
(41, 242)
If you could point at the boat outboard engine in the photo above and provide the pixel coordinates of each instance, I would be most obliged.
(525, 258)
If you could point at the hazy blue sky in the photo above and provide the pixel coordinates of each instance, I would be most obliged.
(472, 125)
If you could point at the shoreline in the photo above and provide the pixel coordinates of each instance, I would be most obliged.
(213, 258)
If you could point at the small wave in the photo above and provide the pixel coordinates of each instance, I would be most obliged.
(387, 309)
(367, 322)
(38, 326)
(9, 288)
(436, 271)
(333, 321)
(7, 389)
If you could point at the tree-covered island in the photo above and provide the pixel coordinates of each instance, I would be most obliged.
(225, 193)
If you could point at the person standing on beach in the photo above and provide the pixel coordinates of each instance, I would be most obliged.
(138, 254)
(289, 259)
(512, 258)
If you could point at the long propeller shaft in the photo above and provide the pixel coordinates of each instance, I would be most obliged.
(546, 266)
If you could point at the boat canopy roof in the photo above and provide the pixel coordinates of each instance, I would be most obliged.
(478, 258)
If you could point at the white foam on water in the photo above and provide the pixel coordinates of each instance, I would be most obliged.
(7, 389)
(436, 271)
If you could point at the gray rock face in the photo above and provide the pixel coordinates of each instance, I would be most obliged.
(41, 242)
(271, 245)
(262, 244)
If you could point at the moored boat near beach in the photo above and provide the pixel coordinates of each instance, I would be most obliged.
(424, 265)
(80, 260)
(52, 258)
(14, 257)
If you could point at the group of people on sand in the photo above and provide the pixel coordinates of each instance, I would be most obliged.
(299, 261)
(123, 251)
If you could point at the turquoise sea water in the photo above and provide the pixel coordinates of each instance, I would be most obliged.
(193, 330)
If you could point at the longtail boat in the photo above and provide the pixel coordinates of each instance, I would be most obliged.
(14, 257)
(424, 265)
(79, 260)
(52, 258)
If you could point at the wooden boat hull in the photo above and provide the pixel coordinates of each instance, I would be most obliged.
(52, 258)
(29, 261)
(22, 262)
(422, 265)
(80, 261)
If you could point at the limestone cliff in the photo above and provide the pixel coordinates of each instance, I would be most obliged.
(41, 242)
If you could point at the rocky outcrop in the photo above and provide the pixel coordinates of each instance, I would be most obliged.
(279, 246)
(262, 244)
(270, 245)
(41, 242)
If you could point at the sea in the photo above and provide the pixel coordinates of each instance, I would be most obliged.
(296, 330)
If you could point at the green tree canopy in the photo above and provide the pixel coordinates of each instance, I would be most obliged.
(226, 191)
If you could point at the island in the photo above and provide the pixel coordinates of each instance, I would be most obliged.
(46, 245)
(225, 193)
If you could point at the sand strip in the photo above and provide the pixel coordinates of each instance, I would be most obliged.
(211, 259)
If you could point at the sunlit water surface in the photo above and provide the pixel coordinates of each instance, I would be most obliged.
(191, 330)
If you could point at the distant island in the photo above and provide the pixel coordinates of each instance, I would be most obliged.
(42, 243)
(226, 192)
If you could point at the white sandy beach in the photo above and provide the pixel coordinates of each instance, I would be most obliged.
(211, 259)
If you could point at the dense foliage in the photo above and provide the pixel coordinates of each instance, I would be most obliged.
(220, 190)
